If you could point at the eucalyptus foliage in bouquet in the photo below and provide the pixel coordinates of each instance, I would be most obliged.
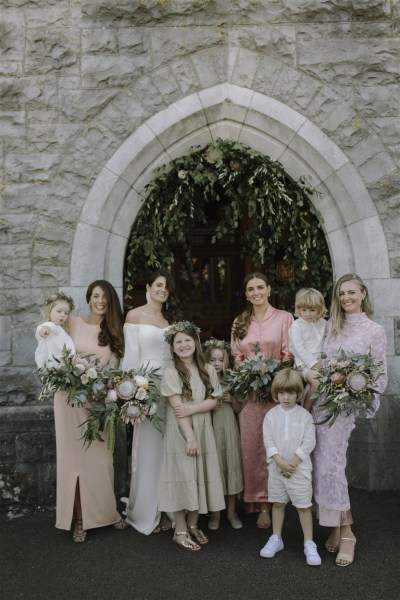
(253, 376)
(347, 384)
(129, 397)
(79, 376)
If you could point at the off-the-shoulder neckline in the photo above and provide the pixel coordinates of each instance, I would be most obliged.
(147, 325)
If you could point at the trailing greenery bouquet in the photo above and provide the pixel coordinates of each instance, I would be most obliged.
(78, 375)
(347, 384)
(129, 397)
(253, 376)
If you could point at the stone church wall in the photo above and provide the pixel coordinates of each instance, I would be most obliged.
(95, 94)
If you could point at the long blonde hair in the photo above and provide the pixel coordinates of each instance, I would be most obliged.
(337, 315)
(242, 322)
(200, 363)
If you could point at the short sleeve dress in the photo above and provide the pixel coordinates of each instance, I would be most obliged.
(188, 482)
(227, 440)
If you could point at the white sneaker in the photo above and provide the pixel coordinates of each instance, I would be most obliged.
(273, 546)
(311, 552)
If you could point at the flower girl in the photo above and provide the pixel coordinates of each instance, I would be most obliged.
(53, 334)
(226, 433)
(190, 481)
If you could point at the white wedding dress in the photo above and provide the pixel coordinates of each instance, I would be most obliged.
(145, 345)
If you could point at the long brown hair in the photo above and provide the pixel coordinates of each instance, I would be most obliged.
(170, 309)
(242, 322)
(337, 315)
(200, 363)
(111, 326)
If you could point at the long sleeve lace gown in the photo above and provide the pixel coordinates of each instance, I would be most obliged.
(359, 335)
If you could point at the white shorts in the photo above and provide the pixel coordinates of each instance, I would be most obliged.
(297, 488)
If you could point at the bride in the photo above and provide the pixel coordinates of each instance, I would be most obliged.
(145, 345)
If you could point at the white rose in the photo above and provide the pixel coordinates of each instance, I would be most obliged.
(153, 409)
(141, 394)
(111, 397)
(84, 379)
(80, 368)
(140, 381)
(92, 373)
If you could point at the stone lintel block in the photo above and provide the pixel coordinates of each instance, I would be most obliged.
(21, 419)
(125, 216)
(393, 367)
(200, 137)
(211, 66)
(245, 67)
(266, 143)
(385, 294)
(87, 263)
(175, 113)
(371, 256)
(113, 266)
(130, 151)
(96, 210)
(341, 251)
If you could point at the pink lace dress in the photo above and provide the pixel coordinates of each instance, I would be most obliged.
(272, 336)
(359, 335)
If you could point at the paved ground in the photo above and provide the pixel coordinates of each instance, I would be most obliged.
(40, 562)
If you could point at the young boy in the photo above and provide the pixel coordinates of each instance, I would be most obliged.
(289, 438)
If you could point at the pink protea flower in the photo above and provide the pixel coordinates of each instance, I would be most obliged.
(338, 379)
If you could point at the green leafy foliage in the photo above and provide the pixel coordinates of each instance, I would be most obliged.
(269, 214)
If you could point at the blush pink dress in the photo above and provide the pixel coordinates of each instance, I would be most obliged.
(93, 466)
(359, 335)
(272, 336)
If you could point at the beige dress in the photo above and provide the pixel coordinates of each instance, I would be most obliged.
(93, 466)
(227, 440)
(188, 482)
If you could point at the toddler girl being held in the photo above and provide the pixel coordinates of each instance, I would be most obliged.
(53, 334)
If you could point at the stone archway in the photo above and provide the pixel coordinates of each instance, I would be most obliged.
(350, 220)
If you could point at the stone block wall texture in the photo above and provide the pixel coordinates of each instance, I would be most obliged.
(78, 78)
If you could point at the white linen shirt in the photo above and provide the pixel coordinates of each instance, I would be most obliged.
(305, 341)
(287, 432)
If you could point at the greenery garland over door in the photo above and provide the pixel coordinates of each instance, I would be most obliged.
(268, 213)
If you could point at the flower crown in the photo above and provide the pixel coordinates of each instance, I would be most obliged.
(60, 296)
(178, 327)
(213, 343)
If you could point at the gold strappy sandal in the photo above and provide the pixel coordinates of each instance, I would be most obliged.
(198, 535)
(185, 542)
(344, 555)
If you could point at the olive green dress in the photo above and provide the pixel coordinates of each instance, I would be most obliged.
(188, 482)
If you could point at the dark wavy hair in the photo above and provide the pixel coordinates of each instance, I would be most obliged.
(170, 310)
(242, 322)
(111, 326)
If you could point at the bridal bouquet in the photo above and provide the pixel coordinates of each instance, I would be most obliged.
(347, 384)
(78, 375)
(253, 376)
(128, 397)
